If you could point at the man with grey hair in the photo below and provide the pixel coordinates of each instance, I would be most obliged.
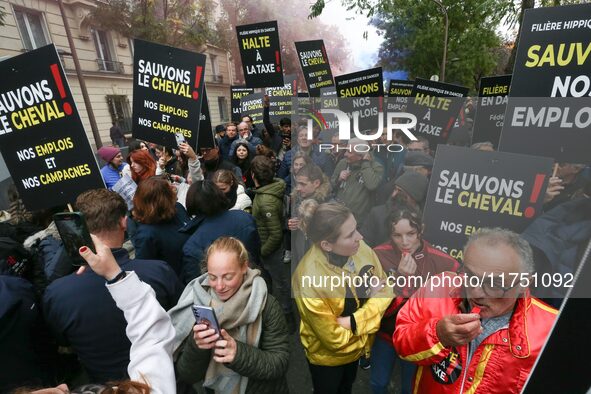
(245, 135)
(466, 330)
(356, 177)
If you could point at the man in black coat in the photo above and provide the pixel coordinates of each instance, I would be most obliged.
(79, 308)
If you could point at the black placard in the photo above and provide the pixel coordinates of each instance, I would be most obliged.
(398, 93)
(436, 106)
(368, 85)
(315, 65)
(280, 99)
(42, 138)
(490, 111)
(167, 93)
(206, 137)
(260, 52)
(471, 189)
(237, 92)
(252, 105)
(553, 61)
(328, 92)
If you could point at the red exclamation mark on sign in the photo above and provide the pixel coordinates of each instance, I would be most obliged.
(277, 61)
(60, 87)
(198, 71)
(531, 211)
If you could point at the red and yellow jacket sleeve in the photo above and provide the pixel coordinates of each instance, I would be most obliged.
(415, 337)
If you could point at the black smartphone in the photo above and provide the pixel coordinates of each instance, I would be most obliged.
(74, 234)
(206, 315)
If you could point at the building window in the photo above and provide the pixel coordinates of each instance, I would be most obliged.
(104, 51)
(32, 29)
(215, 70)
(223, 109)
(120, 111)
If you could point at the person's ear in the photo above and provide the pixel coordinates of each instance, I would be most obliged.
(123, 223)
(316, 183)
(326, 246)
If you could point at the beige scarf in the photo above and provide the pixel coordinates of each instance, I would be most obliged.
(240, 316)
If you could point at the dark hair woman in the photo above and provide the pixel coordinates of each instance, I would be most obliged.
(242, 157)
(213, 219)
(406, 253)
(157, 217)
(338, 322)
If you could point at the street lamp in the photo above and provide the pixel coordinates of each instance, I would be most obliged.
(444, 60)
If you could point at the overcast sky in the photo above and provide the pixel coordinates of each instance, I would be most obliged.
(364, 52)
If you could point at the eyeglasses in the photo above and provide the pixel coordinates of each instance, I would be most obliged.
(487, 282)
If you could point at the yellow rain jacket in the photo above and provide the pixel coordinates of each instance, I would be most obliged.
(325, 341)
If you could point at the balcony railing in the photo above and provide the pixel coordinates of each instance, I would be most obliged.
(110, 66)
(217, 78)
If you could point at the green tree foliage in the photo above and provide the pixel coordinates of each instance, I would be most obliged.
(181, 23)
(414, 38)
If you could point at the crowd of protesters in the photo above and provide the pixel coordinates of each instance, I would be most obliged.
(237, 226)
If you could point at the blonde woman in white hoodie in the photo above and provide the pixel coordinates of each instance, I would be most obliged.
(231, 187)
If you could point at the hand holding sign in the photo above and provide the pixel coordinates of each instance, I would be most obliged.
(554, 189)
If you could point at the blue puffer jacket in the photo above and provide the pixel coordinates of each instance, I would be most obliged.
(205, 230)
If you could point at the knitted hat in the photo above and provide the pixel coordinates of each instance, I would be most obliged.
(107, 153)
(414, 184)
(418, 159)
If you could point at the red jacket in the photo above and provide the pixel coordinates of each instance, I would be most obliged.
(430, 261)
(502, 362)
